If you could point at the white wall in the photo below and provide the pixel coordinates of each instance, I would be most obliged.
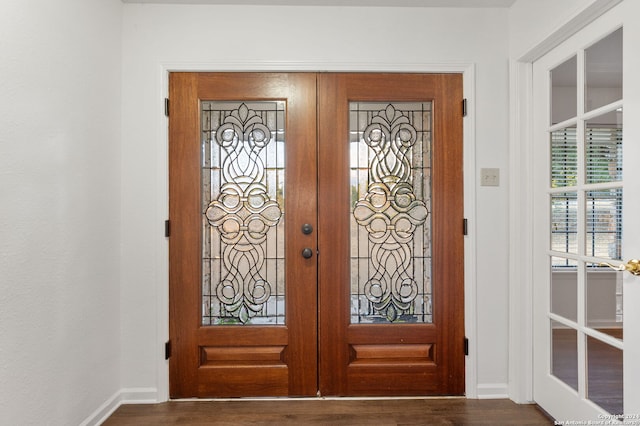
(531, 21)
(60, 71)
(197, 36)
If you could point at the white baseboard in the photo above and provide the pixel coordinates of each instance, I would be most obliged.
(150, 396)
(493, 391)
(123, 396)
(139, 396)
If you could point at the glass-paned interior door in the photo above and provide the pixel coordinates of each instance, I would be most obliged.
(578, 311)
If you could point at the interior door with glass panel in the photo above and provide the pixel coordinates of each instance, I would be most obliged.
(578, 306)
(390, 234)
(312, 258)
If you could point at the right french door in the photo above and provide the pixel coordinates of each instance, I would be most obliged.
(585, 186)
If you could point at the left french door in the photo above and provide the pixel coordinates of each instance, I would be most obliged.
(237, 211)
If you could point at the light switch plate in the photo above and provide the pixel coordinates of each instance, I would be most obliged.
(489, 177)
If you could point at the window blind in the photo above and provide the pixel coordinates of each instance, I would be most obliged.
(603, 209)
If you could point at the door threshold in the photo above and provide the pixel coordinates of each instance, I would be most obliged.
(317, 398)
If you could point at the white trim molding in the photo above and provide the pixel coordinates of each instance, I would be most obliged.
(574, 24)
(520, 235)
(493, 391)
(123, 396)
(468, 72)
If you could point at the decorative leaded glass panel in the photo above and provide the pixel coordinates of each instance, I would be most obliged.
(243, 212)
(390, 167)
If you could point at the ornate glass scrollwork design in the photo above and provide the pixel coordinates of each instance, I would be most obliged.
(390, 213)
(243, 213)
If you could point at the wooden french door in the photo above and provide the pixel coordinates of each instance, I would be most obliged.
(316, 234)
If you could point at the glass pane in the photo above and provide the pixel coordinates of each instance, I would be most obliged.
(603, 72)
(603, 140)
(564, 91)
(604, 300)
(564, 354)
(604, 223)
(390, 202)
(564, 222)
(243, 212)
(564, 158)
(564, 288)
(604, 375)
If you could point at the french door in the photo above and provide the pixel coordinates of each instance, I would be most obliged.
(585, 199)
(316, 234)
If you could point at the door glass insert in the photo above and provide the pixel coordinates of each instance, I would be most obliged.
(564, 90)
(564, 288)
(564, 353)
(564, 157)
(604, 300)
(603, 138)
(390, 166)
(604, 375)
(603, 71)
(564, 222)
(604, 223)
(243, 212)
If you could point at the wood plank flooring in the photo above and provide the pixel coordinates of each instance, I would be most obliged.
(334, 412)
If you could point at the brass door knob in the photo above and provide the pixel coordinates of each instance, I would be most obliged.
(632, 266)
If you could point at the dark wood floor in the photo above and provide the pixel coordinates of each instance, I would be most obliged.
(334, 412)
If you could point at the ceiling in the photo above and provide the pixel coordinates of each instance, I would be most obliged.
(369, 3)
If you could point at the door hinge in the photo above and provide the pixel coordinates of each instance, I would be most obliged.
(464, 107)
(166, 106)
(466, 346)
(465, 227)
(167, 349)
(167, 228)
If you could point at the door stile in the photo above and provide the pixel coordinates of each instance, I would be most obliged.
(184, 208)
(448, 190)
(333, 223)
(301, 190)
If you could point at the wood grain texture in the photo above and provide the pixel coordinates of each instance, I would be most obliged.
(339, 373)
(379, 412)
(184, 244)
(318, 339)
(191, 372)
